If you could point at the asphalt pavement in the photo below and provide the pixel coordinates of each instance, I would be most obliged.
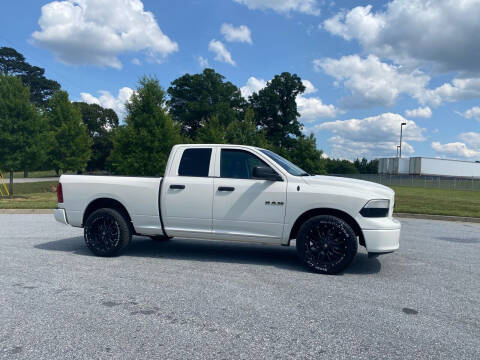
(187, 299)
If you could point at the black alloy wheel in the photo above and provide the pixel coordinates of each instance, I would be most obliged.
(107, 232)
(326, 244)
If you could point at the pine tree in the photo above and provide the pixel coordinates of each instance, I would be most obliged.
(142, 146)
(22, 130)
(245, 132)
(69, 148)
(211, 132)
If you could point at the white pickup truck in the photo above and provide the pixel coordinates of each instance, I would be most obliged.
(234, 193)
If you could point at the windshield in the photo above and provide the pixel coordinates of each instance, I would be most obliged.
(284, 163)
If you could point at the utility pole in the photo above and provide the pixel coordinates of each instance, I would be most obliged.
(401, 133)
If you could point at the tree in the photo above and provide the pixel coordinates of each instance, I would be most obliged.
(306, 155)
(142, 146)
(196, 98)
(13, 63)
(70, 144)
(366, 167)
(22, 140)
(372, 167)
(212, 132)
(361, 165)
(101, 124)
(245, 132)
(337, 166)
(276, 111)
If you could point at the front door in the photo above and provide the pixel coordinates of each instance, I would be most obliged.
(188, 195)
(245, 208)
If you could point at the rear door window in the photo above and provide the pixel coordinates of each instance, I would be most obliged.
(195, 162)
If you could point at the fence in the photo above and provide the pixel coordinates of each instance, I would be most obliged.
(439, 182)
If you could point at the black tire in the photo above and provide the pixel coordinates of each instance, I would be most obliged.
(159, 238)
(326, 244)
(107, 232)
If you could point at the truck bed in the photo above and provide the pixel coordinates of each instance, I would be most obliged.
(139, 196)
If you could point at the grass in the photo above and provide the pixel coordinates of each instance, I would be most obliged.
(437, 201)
(42, 195)
(38, 195)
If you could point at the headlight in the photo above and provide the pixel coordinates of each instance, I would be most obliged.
(376, 208)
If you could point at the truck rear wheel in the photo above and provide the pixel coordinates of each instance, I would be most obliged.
(326, 244)
(107, 232)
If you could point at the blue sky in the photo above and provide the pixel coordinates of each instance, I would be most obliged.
(368, 67)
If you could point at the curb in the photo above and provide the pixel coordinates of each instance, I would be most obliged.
(438, 217)
(26, 211)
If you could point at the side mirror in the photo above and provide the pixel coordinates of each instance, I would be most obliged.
(266, 173)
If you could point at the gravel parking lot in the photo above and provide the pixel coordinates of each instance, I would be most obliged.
(197, 299)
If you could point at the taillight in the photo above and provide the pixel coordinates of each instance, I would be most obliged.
(59, 193)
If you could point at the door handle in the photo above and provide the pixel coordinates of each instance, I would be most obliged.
(226, 188)
(177, 186)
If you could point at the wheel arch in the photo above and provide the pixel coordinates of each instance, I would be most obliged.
(327, 211)
(109, 203)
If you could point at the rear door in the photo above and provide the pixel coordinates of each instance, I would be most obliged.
(187, 193)
(245, 208)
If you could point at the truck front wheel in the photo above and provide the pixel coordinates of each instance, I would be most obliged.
(107, 232)
(326, 244)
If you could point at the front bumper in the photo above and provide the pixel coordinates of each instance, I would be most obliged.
(60, 216)
(383, 240)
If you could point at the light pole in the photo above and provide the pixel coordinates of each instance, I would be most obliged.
(398, 146)
(401, 132)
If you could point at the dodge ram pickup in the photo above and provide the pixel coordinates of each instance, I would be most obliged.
(234, 193)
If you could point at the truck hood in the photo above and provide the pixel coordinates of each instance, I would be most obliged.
(373, 189)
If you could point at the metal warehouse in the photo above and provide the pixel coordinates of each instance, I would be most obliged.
(429, 166)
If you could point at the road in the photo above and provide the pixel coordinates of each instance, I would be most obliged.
(187, 299)
(29, 180)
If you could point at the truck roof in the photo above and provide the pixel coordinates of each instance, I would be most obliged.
(218, 145)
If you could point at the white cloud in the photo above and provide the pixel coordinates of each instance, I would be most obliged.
(253, 85)
(221, 52)
(458, 89)
(467, 148)
(342, 148)
(95, 32)
(421, 112)
(370, 137)
(370, 81)
(416, 32)
(310, 108)
(283, 6)
(455, 149)
(309, 88)
(136, 61)
(107, 100)
(236, 34)
(471, 138)
(358, 23)
(472, 113)
(203, 62)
